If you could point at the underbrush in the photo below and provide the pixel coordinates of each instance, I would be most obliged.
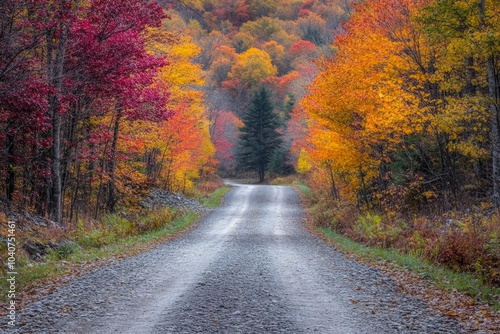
(204, 188)
(445, 278)
(118, 226)
(466, 244)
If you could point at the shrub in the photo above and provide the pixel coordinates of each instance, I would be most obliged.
(64, 251)
(463, 241)
(96, 238)
(120, 226)
(207, 186)
(461, 251)
(156, 220)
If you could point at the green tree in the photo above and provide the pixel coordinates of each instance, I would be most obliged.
(278, 164)
(259, 135)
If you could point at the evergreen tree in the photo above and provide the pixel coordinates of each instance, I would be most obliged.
(259, 135)
(278, 164)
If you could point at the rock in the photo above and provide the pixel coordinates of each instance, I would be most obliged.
(35, 250)
(3, 240)
(24, 220)
(146, 204)
(158, 198)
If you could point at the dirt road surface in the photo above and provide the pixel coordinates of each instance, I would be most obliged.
(250, 266)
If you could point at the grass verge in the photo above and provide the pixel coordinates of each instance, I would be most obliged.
(215, 198)
(56, 264)
(443, 278)
(304, 189)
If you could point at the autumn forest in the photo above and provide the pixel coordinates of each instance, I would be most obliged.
(388, 110)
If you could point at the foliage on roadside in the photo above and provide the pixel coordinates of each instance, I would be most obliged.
(398, 134)
(405, 115)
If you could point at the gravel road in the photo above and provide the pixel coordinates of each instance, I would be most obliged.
(250, 266)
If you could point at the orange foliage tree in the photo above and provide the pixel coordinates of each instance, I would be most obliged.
(175, 152)
(398, 106)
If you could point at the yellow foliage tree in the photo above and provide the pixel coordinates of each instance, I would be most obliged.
(252, 66)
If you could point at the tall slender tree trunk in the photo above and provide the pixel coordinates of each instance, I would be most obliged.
(364, 190)
(69, 134)
(333, 189)
(494, 93)
(56, 170)
(112, 163)
(168, 181)
(470, 88)
(47, 189)
(57, 207)
(262, 172)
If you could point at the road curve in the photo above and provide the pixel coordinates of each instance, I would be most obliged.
(250, 266)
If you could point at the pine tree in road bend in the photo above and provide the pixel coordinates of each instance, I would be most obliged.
(259, 135)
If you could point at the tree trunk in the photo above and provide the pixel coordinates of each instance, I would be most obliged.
(334, 191)
(11, 172)
(470, 88)
(364, 190)
(261, 174)
(112, 163)
(69, 134)
(56, 213)
(493, 88)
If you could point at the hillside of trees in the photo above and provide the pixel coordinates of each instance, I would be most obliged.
(252, 44)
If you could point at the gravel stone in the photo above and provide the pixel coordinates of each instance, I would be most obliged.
(249, 267)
